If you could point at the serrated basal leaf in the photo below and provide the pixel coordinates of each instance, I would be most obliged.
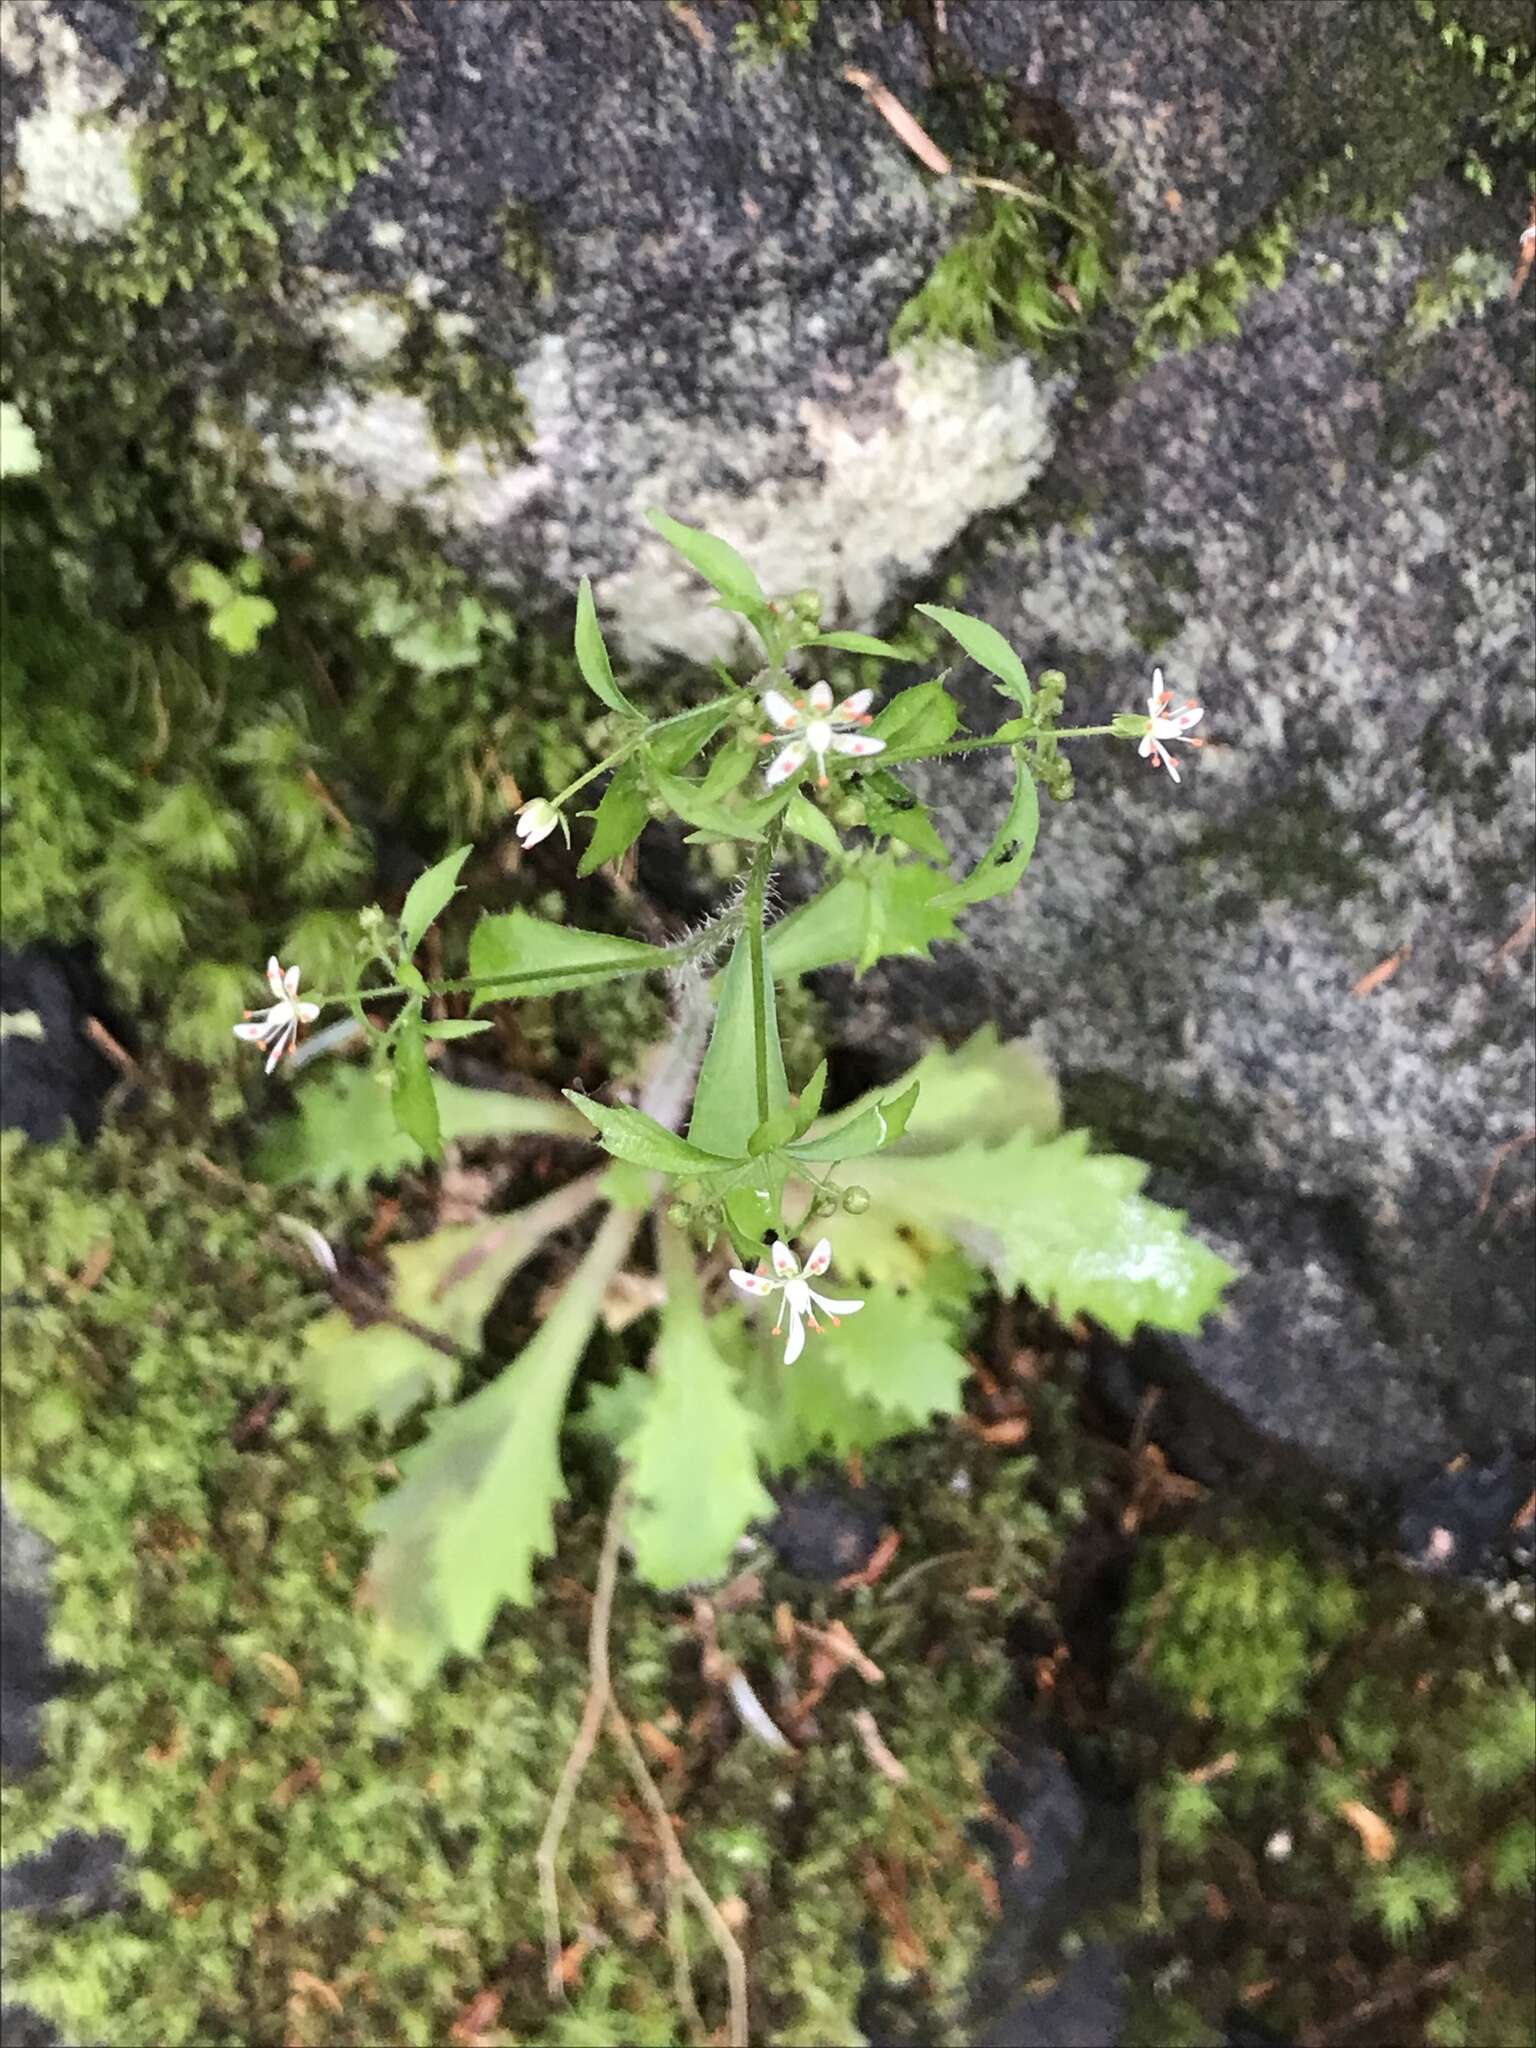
(986, 646)
(725, 1108)
(474, 1508)
(1069, 1225)
(529, 956)
(631, 1135)
(897, 1353)
(428, 897)
(592, 655)
(620, 818)
(716, 561)
(345, 1130)
(693, 1460)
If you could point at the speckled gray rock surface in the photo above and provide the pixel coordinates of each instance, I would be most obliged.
(1354, 609)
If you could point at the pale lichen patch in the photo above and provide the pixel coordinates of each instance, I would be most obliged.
(73, 152)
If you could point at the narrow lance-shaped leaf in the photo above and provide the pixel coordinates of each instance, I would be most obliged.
(986, 646)
(716, 561)
(620, 818)
(631, 1135)
(428, 897)
(865, 1130)
(414, 1103)
(592, 655)
(858, 643)
(535, 958)
(693, 1459)
(1005, 860)
(725, 1106)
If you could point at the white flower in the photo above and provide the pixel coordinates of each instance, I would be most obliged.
(798, 1294)
(820, 728)
(278, 1026)
(1168, 724)
(536, 820)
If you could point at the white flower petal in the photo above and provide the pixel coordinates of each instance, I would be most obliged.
(290, 984)
(821, 698)
(275, 980)
(835, 1308)
(1146, 748)
(779, 708)
(859, 744)
(820, 1258)
(785, 1264)
(307, 1012)
(751, 1283)
(785, 764)
(285, 1037)
(256, 1031)
(796, 1344)
(856, 705)
(1189, 715)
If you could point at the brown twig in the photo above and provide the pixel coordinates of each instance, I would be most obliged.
(599, 1689)
(104, 1042)
(901, 123)
(877, 1750)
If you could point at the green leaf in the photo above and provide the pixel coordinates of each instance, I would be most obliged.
(725, 1109)
(619, 820)
(897, 1352)
(1010, 853)
(858, 643)
(986, 1090)
(412, 1099)
(708, 814)
(239, 624)
(693, 1468)
(345, 1130)
(882, 907)
(680, 740)
(592, 655)
(986, 646)
(428, 897)
(1065, 1223)
(891, 810)
(808, 1107)
(445, 1028)
(474, 1508)
(631, 1135)
(446, 1285)
(201, 583)
(803, 817)
(19, 452)
(918, 719)
(859, 1131)
(716, 561)
(537, 958)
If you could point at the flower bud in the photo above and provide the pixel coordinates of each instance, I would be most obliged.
(825, 1204)
(855, 1200)
(536, 820)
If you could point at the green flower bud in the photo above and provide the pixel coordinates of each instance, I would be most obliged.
(855, 1200)
(825, 1204)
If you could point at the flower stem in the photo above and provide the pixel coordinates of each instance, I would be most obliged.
(757, 892)
(622, 753)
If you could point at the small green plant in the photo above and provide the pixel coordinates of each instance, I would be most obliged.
(238, 614)
(718, 1142)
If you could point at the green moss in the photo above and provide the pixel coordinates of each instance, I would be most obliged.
(774, 29)
(1338, 1792)
(524, 251)
(319, 1860)
(1031, 263)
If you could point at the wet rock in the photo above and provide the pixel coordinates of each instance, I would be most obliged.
(51, 1075)
(825, 1531)
(1473, 1520)
(1067, 1850)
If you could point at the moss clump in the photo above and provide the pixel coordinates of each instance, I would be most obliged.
(773, 29)
(316, 1859)
(1033, 261)
(1338, 1795)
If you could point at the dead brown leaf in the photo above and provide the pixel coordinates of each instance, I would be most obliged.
(875, 1748)
(300, 1780)
(901, 123)
(1379, 975)
(879, 1562)
(1377, 1837)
